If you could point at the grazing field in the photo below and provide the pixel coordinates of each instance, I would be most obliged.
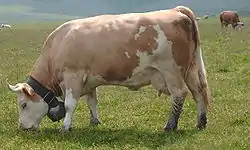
(135, 120)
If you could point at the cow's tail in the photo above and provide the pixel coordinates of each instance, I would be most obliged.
(202, 74)
(203, 85)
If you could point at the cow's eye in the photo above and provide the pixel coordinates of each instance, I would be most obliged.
(24, 105)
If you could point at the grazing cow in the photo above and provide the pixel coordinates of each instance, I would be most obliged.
(198, 18)
(6, 26)
(205, 17)
(159, 48)
(230, 17)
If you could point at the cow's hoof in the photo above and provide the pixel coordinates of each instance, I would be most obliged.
(65, 129)
(201, 126)
(202, 122)
(133, 88)
(170, 127)
(95, 121)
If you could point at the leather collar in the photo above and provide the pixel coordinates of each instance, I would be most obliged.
(48, 96)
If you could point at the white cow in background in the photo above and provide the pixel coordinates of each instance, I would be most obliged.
(6, 26)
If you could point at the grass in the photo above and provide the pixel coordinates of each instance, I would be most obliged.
(135, 120)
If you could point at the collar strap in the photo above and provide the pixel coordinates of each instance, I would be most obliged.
(48, 96)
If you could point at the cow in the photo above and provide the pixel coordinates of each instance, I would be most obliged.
(198, 18)
(159, 48)
(205, 17)
(6, 26)
(230, 17)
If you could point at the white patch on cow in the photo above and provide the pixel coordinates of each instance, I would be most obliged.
(161, 40)
(145, 59)
(91, 100)
(37, 109)
(200, 60)
(126, 53)
(167, 65)
(70, 104)
(141, 30)
(239, 26)
(76, 27)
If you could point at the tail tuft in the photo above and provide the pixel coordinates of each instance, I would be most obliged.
(203, 78)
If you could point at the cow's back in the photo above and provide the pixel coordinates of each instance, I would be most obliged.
(108, 45)
(229, 16)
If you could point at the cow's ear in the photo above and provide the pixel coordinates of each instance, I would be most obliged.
(28, 90)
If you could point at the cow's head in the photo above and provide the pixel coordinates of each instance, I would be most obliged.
(32, 108)
(239, 25)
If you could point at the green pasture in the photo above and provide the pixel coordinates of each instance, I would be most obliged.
(135, 120)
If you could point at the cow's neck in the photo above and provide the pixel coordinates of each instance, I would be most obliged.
(42, 73)
(47, 88)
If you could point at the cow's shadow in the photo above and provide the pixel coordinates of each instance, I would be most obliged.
(90, 136)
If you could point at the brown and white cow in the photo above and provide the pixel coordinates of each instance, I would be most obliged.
(159, 48)
(230, 17)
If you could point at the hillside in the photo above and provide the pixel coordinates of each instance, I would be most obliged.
(16, 10)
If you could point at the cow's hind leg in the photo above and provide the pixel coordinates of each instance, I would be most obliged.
(178, 91)
(91, 100)
(198, 90)
(197, 84)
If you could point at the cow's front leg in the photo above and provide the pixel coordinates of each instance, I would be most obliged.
(70, 105)
(73, 89)
(91, 100)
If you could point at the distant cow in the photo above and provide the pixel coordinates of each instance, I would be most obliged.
(205, 17)
(6, 26)
(230, 17)
(159, 48)
(198, 18)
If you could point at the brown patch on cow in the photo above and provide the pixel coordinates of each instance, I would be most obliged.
(146, 40)
(192, 36)
(124, 72)
(181, 52)
(139, 41)
(121, 67)
(187, 11)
